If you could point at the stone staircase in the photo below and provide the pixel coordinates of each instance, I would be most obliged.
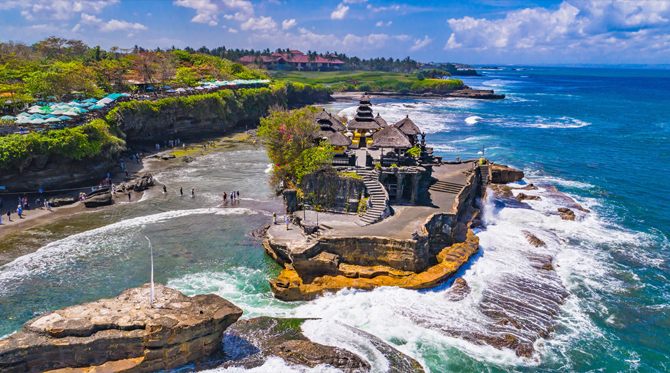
(319, 232)
(445, 187)
(378, 196)
(486, 175)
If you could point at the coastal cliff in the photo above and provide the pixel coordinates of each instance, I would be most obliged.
(218, 113)
(122, 334)
(82, 156)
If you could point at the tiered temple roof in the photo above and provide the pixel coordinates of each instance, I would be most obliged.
(382, 123)
(364, 120)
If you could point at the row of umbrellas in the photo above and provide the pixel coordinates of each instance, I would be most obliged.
(63, 111)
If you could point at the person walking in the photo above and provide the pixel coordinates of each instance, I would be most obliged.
(274, 218)
(19, 211)
(181, 192)
(225, 198)
(286, 220)
(192, 192)
(164, 189)
(128, 196)
(9, 215)
(48, 206)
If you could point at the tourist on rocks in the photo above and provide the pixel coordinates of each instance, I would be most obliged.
(237, 195)
(134, 159)
(126, 174)
(19, 211)
(181, 192)
(128, 196)
(274, 218)
(164, 189)
(192, 192)
(225, 198)
(183, 146)
(286, 220)
(48, 206)
(9, 215)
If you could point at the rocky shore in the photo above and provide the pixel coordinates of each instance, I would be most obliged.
(250, 343)
(467, 92)
(122, 334)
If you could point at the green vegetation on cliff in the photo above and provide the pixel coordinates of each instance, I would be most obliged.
(103, 137)
(372, 81)
(91, 140)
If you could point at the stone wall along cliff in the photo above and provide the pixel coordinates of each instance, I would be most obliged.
(330, 191)
(123, 334)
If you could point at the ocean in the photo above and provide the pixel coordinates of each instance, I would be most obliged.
(601, 136)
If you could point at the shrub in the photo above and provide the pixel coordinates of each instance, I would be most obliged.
(415, 151)
(420, 76)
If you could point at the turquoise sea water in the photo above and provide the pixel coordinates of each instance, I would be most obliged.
(602, 136)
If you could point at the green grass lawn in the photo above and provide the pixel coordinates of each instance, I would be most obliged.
(368, 81)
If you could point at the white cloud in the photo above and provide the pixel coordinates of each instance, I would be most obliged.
(232, 30)
(354, 1)
(116, 25)
(383, 8)
(260, 23)
(389, 23)
(591, 27)
(340, 12)
(379, 24)
(420, 44)
(112, 25)
(209, 10)
(287, 24)
(213, 23)
(56, 10)
(307, 39)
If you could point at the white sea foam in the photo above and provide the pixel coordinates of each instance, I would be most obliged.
(417, 318)
(111, 237)
(472, 120)
(278, 365)
(269, 169)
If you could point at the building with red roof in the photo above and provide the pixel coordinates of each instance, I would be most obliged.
(295, 60)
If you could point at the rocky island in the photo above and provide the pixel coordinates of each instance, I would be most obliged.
(122, 334)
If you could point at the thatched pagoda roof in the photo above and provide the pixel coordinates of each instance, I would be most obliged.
(363, 123)
(391, 137)
(408, 127)
(326, 121)
(365, 99)
(382, 123)
(336, 138)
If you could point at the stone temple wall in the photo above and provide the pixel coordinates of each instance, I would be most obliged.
(332, 192)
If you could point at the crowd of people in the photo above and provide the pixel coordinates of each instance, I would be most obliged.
(170, 143)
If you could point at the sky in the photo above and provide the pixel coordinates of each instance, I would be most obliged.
(478, 32)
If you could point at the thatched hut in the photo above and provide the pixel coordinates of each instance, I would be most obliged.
(338, 140)
(382, 123)
(326, 122)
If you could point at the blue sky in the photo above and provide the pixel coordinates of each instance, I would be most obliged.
(481, 32)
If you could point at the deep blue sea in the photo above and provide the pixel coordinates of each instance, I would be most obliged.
(601, 136)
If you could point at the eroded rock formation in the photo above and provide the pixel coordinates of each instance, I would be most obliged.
(249, 343)
(501, 174)
(122, 334)
(290, 285)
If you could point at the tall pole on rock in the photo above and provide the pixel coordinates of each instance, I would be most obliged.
(151, 293)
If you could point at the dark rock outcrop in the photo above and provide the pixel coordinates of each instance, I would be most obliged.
(98, 200)
(249, 343)
(566, 213)
(533, 240)
(122, 334)
(501, 174)
(63, 200)
(458, 291)
(522, 197)
(333, 192)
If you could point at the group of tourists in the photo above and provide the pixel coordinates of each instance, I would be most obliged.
(170, 143)
(233, 196)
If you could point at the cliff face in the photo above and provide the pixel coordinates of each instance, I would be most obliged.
(123, 334)
(209, 114)
(46, 173)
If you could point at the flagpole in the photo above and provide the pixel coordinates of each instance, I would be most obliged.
(151, 294)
